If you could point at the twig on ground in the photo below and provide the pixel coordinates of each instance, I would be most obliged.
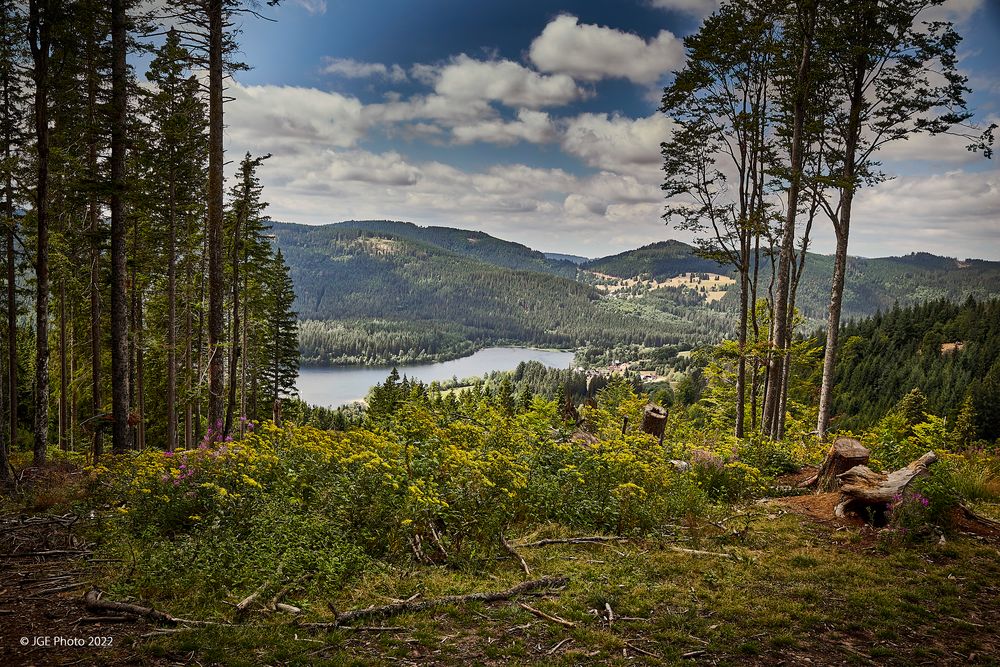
(92, 602)
(385, 611)
(548, 617)
(513, 552)
(244, 605)
(596, 539)
(559, 645)
(698, 552)
(642, 650)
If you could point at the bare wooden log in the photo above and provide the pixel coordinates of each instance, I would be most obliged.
(654, 420)
(93, 602)
(699, 552)
(244, 605)
(384, 611)
(844, 454)
(862, 487)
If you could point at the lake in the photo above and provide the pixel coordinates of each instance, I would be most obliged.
(338, 385)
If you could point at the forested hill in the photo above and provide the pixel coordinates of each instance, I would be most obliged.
(950, 352)
(664, 259)
(477, 245)
(873, 284)
(877, 284)
(369, 296)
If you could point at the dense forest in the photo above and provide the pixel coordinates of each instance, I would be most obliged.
(144, 299)
(949, 352)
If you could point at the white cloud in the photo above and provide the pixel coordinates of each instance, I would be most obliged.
(617, 143)
(591, 52)
(697, 8)
(263, 113)
(959, 11)
(952, 213)
(504, 81)
(355, 69)
(532, 126)
(313, 7)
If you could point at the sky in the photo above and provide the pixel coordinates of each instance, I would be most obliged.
(536, 121)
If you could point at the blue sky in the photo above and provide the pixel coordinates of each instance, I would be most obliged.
(536, 121)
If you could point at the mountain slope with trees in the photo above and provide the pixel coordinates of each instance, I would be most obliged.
(370, 296)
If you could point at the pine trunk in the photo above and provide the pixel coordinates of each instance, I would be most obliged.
(63, 369)
(215, 176)
(172, 316)
(120, 440)
(40, 30)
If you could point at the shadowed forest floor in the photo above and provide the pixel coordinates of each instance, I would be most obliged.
(777, 588)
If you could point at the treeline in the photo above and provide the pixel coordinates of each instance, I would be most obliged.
(950, 352)
(157, 308)
(659, 261)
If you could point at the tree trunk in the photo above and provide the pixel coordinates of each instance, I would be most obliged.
(172, 314)
(5, 471)
(779, 328)
(120, 440)
(39, 28)
(741, 371)
(235, 351)
(654, 420)
(863, 489)
(93, 227)
(215, 176)
(189, 357)
(844, 454)
(63, 368)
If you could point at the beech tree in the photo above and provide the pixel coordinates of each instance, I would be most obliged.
(891, 76)
(720, 105)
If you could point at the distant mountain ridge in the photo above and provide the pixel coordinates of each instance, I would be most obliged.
(388, 293)
(394, 291)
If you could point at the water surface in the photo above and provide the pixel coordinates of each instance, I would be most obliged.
(338, 385)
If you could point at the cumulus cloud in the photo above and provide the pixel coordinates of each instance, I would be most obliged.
(592, 52)
(503, 81)
(355, 69)
(617, 143)
(290, 112)
(532, 126)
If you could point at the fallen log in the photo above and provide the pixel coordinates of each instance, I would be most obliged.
(93, 602)
(844, 454)
(385, 611)
(861, 487)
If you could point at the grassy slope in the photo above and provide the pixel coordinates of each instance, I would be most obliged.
(797, 590)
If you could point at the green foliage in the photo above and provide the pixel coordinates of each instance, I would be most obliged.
(947, 351)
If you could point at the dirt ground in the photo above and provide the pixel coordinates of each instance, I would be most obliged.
(43, 566)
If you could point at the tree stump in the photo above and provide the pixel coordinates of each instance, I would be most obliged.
(863, 488)
(654, 420)
(845, 454)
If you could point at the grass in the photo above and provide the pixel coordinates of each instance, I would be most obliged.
(798, 591)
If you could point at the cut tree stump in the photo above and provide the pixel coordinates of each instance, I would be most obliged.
(861, 487)
(654, 420)
(845, 454)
